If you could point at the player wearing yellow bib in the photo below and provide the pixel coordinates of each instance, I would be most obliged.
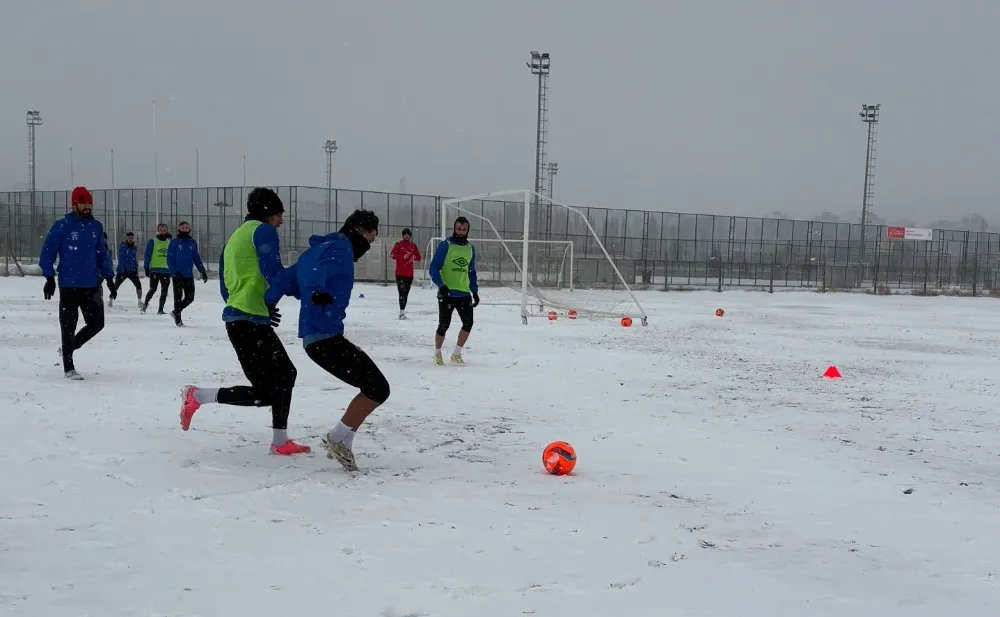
(154, 262)
(453, 270)
(250, 261)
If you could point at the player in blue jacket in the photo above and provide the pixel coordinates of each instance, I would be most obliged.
(77, 241)
(128, 266)
(182, 259)
(323, 280)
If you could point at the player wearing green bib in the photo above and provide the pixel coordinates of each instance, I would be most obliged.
(453, 270)
(155, 264)
(250, 260)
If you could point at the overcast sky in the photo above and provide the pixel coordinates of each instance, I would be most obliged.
(724, 106)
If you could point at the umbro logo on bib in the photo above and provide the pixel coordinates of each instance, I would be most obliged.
(460, 262)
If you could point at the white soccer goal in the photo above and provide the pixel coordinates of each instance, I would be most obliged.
(499, 265)
(505, 250)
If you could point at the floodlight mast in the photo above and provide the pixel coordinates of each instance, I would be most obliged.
(869, 115)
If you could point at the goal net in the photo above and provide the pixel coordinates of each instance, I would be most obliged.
(532, 270)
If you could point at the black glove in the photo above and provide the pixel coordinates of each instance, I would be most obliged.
(274, 314)
(204, 277)
(50, 287)
(112, 292)
(321, 298)
(475, 299)
(443, 292)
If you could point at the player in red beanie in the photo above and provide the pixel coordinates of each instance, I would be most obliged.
(77, 241)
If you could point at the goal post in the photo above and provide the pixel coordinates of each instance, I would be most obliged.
(584, 303)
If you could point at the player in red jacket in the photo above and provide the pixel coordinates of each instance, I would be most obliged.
(405, 252)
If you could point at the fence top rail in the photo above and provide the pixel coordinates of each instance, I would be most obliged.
(17, 198)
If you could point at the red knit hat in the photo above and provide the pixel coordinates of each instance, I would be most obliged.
(81, 196)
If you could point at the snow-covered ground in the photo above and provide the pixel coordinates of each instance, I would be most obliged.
(718, 474)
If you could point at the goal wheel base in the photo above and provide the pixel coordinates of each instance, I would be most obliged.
(645, 321)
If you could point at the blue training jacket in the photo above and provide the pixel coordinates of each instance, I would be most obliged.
(183, 257)
(438, 262)
(327, 265)
(127, 260)
(78, 243)
(267, 243)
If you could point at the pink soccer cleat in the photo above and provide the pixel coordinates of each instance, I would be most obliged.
(290, 448)
(189, 405)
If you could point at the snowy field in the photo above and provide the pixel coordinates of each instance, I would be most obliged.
(718, 474)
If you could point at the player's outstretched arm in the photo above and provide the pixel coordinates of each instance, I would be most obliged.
(197, 260)
(285, 283)
(473, 276)
(223, 290)
(104, 259)
(416, 253)
(267, 243)
(437, 262)
(172, 257)
(50, 249)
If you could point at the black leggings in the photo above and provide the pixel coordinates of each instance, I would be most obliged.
(156, 278)
(403, 284)
(72, 302)
(463, 305)
(267, 367)
(345, 361)
(121, 277)
(183, 293)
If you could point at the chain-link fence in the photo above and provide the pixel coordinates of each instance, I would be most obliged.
(661, 250)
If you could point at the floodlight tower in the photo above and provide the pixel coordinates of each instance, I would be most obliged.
(540, 65)
(330, 147)
(34, 118)
(869, 115)
(553, 169)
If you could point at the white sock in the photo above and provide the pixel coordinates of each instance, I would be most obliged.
(339, 433)
(458, 350)
(349, 439)
(280, 437)
(437, 351)
(206, 395)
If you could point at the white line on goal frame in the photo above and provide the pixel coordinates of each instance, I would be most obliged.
(526, 194)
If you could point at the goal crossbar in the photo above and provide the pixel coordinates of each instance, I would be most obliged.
(526, 195)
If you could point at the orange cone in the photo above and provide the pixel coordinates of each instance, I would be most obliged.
(832, 372)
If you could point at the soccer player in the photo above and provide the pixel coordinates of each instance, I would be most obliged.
(453, 270)
(323, 279)
(405, 252)
(250, 260)
(128, 267)
(182, 258)
(77, 240)
(155, 265)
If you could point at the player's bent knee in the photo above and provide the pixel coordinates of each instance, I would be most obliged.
(442, 329)
(378, 390)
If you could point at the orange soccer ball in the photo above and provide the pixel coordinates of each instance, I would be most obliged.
(626, 321)
(559, 458)
(719, 312)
